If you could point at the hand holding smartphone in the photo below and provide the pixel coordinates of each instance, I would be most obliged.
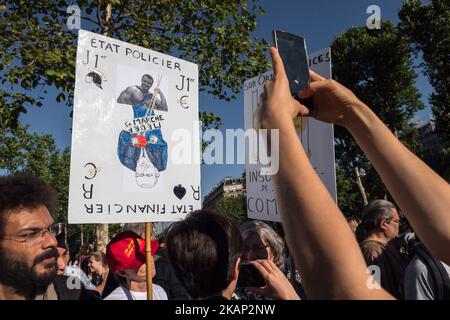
(249, 276)
(292, 49)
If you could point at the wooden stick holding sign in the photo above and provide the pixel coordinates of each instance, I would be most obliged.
(149, 259)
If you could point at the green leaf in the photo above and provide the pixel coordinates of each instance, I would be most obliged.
(60, 97)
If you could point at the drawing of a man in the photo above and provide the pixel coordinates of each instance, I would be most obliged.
(141, 95)
(144, 152)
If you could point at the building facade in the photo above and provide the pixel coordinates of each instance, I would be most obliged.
(227, 187)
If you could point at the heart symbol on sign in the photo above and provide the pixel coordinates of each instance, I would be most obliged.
(179, 191)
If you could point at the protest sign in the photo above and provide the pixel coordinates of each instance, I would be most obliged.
(135, 153)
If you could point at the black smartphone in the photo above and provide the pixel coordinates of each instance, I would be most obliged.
(292, 49)
(249, 276)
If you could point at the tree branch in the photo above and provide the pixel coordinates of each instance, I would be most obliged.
(99, 17)
(119, 15)
(91, 20)
(28, 65)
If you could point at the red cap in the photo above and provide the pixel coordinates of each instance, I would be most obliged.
(127, 251)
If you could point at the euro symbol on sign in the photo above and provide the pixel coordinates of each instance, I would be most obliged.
(92, 170)
(183, 103)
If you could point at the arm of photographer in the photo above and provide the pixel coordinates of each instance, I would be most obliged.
(323, 246)
(422, 194)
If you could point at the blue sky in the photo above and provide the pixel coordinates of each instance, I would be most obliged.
(319, 21)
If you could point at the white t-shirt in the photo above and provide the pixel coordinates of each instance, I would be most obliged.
(119, 294)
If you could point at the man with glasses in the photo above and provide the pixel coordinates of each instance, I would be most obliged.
(28, 254)
(380, 225)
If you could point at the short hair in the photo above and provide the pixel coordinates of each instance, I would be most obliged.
(138, 228)
(61, 240)
(100, 257)
(267, 234)
(86, 249)
(374, 212)
(353, 223)
(147, 76)
(24, 191)
(203, 250)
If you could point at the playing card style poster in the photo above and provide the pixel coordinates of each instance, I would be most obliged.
(135, 153)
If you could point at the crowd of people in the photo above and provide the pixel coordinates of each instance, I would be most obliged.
(396, 250)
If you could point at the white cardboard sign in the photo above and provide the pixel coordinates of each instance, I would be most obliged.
(135, 153)
(317, 139)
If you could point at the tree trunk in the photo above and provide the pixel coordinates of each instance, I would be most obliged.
(102, 230)
(102, 236)
(149, 259)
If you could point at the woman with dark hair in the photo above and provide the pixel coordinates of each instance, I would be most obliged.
(84, 253)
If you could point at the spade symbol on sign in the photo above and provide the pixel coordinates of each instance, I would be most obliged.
(179, 191)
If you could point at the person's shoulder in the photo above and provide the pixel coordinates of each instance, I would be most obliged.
(372, 249)
(132, 90)
(116, 294)
(371, 245)
(416, 267)
(67, 288)
(157, 287)
(159, 292)
(162, 261)
(418, 282)
(246, 294)
(135, 87)
(446, 267)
